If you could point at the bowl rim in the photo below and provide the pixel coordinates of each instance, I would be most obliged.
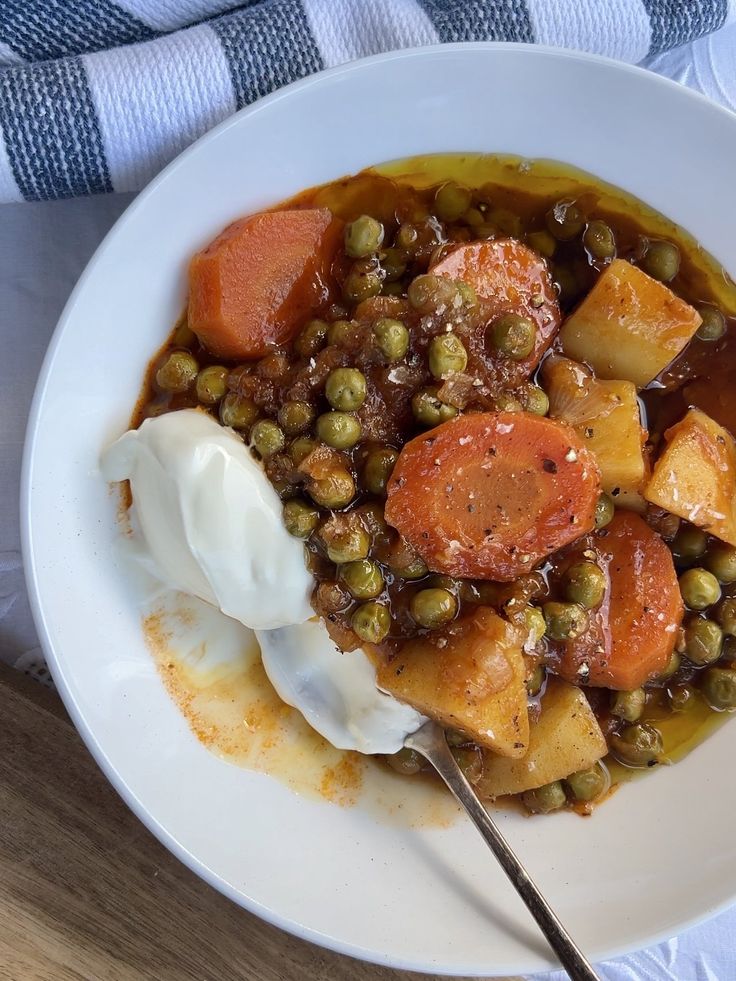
(55, 659)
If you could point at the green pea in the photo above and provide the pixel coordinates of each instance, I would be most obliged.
(312, 338)
(371, 622)
(296, 416)
(348, 545)
(393, 263)
(439, 581)
(300, 518)
(451, 201)
(514, 336)
(363, 281)
(178, 372)
(638, 745)
(267, 438)
(680, 697)
(598, 240)
(335, 490)
(363, 237)
(300, 449)
(237, 412)
(340, 333)
(470, 761)
(689, 543)
(629, 705)
(721, 561)
(588, 785)
(585, 584)
(703, 641)
(429, 410)
(672, 666)
(467, 294)
(535, 681)
(505, 222)
(432, 608)
(534, 399)
(407, 762)
(377, 469)
(719, 687)
(567, 282)
(473, 217)
(565, 621)
(505, 402)
(392, 338)
(604, 511)
(534, 623)
(542, 242)
(661, 260)
(726, 616)
(338, 429)
(212, 384)
(713, 326)
(427, 292)
(363, 579)
(564, 221)
(544, 800)
(447, 355)
(699, 588)
(406, 238)
(346, 389)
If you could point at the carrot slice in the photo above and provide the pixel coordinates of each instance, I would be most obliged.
(632, 634)
(487, 495)
(508, 277)
(250, 288)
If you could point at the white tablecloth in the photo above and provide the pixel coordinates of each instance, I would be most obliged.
(43, 249)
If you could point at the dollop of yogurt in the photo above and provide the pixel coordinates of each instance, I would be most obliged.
(210, 519)
(208, 523)
(335, 692)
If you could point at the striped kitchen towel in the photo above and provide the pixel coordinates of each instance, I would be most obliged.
(97, 95)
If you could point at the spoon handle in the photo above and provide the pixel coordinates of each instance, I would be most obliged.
(431, 743)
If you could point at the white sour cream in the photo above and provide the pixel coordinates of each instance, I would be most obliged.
(335, 692)
(208, 523)
(210, 519)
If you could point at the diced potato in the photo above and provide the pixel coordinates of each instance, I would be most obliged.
(629, 326)
(471, 677)
(605, 414)
(695, 477)
(566, 738)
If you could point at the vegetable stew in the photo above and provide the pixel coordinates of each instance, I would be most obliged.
(497, 398)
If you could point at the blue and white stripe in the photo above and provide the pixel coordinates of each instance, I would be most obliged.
(98, 95)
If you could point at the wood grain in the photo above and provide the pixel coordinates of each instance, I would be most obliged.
(86, 892)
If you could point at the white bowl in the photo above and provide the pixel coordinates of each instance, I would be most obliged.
(661, 854)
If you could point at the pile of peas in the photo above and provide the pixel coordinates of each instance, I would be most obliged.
(332, 474)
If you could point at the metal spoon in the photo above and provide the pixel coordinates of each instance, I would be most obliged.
(337, 695)
(431, 743)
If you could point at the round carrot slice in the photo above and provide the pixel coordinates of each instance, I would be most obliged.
(487, 495)
(507, 277)
(632, 634)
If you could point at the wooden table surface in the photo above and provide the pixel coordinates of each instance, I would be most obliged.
(86, 892)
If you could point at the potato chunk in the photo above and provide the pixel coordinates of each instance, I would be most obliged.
(629, 326)
(566, 738)
(469, 676)
(695, 477)
(605, 414)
